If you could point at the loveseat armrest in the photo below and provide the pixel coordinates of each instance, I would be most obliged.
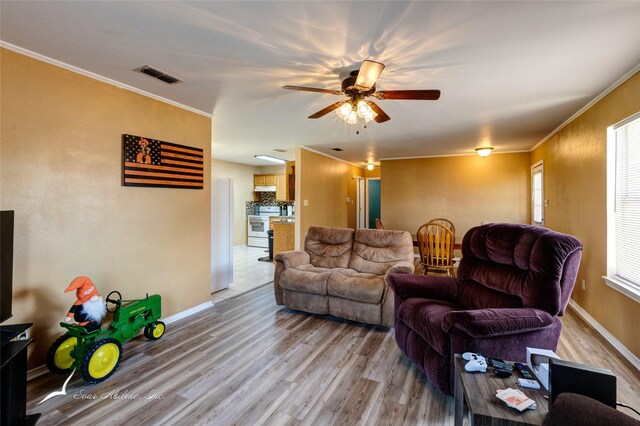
(284, 260)
(497, 322)
(407, 286)
(292, 259)
(400, 268)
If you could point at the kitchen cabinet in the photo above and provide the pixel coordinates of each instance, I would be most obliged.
(265, 180)
(281, 188)
(270, 180)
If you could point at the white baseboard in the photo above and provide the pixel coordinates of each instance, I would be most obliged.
(622, 349)
(188, 312)
(39, 371)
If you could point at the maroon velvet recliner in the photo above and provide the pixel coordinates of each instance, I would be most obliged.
(513, 283)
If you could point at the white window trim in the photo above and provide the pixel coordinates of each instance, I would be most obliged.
(610, 279)
(540, 165)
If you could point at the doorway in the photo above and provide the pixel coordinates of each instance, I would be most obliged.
(221, 233)
(373, 202)
(537, 194)
(360, 204)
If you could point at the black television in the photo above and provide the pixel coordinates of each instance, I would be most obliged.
(6, 263)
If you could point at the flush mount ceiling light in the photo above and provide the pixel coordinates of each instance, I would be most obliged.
(270, 158)
(370, 166)
(484, 151)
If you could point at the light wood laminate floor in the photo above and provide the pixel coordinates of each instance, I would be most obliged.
(247, 361)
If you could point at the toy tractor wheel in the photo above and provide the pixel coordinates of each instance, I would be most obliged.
(59, 359)
(154, 331)
(101, 360)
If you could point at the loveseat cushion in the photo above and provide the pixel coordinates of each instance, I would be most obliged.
(425, 317)
(377, 250)
(354, 285)
(306, 279)
(329, 247)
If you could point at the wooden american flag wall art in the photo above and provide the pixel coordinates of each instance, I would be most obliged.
(153, 163)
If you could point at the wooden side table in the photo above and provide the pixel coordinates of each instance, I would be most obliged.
(478, 391)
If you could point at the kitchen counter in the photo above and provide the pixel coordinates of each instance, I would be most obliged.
(281, 219)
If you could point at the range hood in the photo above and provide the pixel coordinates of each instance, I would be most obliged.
(264, 189)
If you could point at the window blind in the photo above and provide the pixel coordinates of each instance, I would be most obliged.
(627, 202)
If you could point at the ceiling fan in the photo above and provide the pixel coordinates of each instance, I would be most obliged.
(359, 85)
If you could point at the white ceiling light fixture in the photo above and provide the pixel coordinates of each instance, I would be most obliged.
(350, 111)
(270, 158)
(484, 151)
(368, 74)
(370, 166)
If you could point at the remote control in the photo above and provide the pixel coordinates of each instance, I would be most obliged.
(501, 373)
(499, 364)
(524, 371)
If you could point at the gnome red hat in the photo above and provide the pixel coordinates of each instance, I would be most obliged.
(89, 308)
(84, 287)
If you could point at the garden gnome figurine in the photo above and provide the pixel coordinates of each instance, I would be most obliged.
(89, 308)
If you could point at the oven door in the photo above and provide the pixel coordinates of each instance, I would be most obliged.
(258, 226)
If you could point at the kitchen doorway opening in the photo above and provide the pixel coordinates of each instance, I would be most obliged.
(360, 204)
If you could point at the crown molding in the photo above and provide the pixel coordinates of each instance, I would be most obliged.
(453, 155)
(98, 77)
(331, 156)
(591, 103)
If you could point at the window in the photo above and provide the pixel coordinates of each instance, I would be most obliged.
(537, 195)
(623, 207)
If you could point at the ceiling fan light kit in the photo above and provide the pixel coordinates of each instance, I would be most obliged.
(350, 112)
(360, 84)
(367, 75)
(484, 151)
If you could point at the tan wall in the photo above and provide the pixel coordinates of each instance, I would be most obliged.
(273, 170)
(325, 183)
(61, 167)
(242, 176)
(468, 190)
(575, 185)
(372, 173)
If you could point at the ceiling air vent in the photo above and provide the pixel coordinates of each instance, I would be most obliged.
(160, 75)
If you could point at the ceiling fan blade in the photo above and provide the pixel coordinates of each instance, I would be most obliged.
(368, 74)
(327, 110)
(382, 116)
(420, 95)
(313, 89)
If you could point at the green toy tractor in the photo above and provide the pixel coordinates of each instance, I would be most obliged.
(97, 353)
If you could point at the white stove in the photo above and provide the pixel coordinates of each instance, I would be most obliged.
(258, 225)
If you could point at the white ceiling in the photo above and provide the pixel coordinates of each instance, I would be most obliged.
(509, 72)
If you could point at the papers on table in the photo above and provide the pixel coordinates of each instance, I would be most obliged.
(515, 398)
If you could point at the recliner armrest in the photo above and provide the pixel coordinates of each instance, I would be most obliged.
(406, 286)
(497, 322)
(291, 259)
(573, 409)
(400, 268)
